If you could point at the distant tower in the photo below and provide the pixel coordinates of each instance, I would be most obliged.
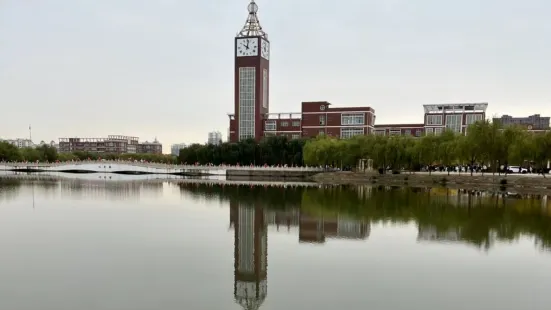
(250, 255)
(252, 63)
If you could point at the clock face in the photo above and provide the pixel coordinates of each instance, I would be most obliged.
(265, 50)
(247, 47)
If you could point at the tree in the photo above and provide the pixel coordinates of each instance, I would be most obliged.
(472, 146)
(447, 148)
(9, 152)
(428, 150)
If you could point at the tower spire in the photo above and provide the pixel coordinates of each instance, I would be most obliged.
(252, 26)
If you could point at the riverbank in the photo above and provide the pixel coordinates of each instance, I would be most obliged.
(262, 174)
(516, 183)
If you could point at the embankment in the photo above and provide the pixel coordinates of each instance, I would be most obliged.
(269, 175)
(516, 183)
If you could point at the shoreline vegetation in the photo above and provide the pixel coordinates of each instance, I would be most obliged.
(486, 145)
(517, 183)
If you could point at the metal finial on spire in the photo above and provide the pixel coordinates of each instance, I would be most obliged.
(252, 26)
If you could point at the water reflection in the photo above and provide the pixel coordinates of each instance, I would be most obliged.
(148, 253)
(250, 222)
(250, 254)
(48, 186)
(442, 215)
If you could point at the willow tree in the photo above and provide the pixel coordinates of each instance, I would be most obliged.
(428, 150)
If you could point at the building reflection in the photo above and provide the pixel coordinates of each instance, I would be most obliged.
(317, 229)
(250, 222)
(250, 254)
(115, 190)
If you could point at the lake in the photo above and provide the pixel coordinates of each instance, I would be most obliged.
(135, 244)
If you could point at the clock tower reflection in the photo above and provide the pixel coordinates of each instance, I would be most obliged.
(250, 254)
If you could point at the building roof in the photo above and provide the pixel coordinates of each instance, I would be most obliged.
(399, 125)
(455, 107)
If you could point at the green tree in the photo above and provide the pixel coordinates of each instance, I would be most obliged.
(428, 150)
(472, 146)
(447, 148)
(9, 152)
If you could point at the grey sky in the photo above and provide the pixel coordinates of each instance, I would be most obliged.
(165, 67)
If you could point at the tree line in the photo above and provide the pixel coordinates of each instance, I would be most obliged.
(485, 144)
(270, 151)
(46, 153)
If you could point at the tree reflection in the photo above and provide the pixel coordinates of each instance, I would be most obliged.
(9, 189)
(475, 218)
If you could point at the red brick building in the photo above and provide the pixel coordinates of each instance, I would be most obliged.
(252, 117)
(415, 130)
(318, 118)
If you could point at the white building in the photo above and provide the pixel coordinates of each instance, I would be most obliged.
(215, 138)
(175, 148)
(20, 143)
(456, 117)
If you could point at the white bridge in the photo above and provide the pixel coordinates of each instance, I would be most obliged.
(138, 167)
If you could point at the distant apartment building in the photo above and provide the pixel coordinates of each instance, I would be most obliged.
(214, 138)
(113, 144)
(146, 147)
(532, 122)
(20, 143)
(175, 148)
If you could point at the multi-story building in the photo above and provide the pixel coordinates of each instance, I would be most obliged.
(252, 117)
(175, 148)
(19, 142)
(532, 122)
(214, 138)
(415, 130)
(318, 118)
(455, 117)
(146, 147)
(113, 144)
(438, 118)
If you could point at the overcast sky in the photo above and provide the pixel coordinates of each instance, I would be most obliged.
(164, 68)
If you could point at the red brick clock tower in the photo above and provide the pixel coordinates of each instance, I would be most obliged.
(252, 64)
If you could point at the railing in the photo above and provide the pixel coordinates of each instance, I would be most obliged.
(158, 165)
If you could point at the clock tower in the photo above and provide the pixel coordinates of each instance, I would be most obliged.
(251, 76)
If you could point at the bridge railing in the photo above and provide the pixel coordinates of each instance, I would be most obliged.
(160, 165)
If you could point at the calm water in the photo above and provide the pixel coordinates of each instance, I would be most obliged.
(116, 245)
